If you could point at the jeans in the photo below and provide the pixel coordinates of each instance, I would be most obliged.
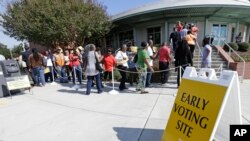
(60, 71)
(38, 75)
(163, 66)
(148, 78)
(78, 71)
(90, 81)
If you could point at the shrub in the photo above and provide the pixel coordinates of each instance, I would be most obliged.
(243, 46)
(232, 45)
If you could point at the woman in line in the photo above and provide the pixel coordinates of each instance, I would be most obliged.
(109, 63)
(191, 39)
(122, 62)
(76, 66)
(37, 67)
(206, 54)
(91, 70)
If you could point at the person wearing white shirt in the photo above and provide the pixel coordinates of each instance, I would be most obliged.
(122, 62)
(152, 56)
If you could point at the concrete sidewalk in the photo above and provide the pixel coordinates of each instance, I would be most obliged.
(60, 113)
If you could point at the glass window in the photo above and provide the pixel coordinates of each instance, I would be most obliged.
(154, 34)
(125, 37)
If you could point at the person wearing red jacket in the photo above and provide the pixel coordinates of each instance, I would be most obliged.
(109, 62)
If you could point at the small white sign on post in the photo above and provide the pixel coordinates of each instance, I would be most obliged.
(18, 82)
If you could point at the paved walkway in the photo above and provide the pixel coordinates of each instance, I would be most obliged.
(60, 113)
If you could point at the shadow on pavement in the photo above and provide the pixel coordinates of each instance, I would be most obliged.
(134, 134)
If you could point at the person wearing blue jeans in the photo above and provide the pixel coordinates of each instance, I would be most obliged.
(60, 71)
(78, 71)
(90, 81)
(91, 70)
(148, 78)
(38, 76)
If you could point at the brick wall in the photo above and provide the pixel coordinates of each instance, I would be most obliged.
(239, 69)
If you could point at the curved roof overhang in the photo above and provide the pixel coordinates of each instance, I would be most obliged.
(233, 9)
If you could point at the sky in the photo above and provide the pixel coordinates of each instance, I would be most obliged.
(113, 7)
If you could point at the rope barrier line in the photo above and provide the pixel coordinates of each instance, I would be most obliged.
(152, 72)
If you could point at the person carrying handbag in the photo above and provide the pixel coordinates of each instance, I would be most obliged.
(91, 70)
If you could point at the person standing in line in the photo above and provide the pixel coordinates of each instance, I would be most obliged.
(67, 62)
(152, 56)
(206, 54)
(174, 38)
(191, 39)
(90, 69)
(183, 33)
(109, 63)
(59, 63)
(122, 62)
(76, 66)
(36, 66)
(142, 65)
(48, 75)
(182, 58)
(131, 66)
(164, 62)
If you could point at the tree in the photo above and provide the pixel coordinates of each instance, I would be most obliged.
(17, 50)
(52, 22)
(4, 51)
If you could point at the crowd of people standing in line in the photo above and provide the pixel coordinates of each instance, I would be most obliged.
(137, 62)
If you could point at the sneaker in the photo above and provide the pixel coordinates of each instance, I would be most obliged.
(144, 92)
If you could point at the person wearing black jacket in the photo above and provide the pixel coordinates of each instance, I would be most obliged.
(182, 58)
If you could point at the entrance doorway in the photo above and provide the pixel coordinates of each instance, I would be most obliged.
(220, 34)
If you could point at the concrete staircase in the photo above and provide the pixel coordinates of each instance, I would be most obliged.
(218, 63)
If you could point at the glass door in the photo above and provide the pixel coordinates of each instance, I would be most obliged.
(220, 33)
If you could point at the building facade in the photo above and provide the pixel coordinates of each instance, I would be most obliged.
(223, 19)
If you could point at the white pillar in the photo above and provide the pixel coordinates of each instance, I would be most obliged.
(237, 29)
(248, 33)
(206, 27)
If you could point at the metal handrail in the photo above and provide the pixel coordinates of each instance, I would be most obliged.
(232, 50)
(200, 54)
(219, 69)
(244, 62)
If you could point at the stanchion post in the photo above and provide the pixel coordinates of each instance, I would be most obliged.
(180, 67)
(113, 91)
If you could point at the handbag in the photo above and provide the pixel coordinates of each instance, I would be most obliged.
(46, 70)
(97, 64)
